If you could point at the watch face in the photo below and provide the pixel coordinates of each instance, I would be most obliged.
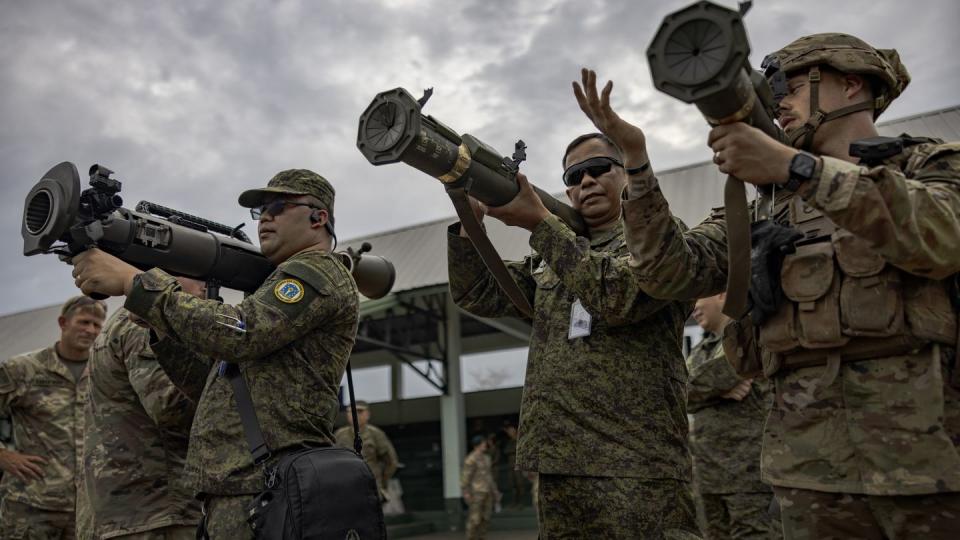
(803, 166)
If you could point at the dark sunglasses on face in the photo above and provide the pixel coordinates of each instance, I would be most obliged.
(595, 167)
(275, 208)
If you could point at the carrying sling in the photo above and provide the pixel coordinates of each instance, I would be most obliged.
(481, 242)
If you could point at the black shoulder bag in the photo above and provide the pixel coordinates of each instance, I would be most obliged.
(317, 493)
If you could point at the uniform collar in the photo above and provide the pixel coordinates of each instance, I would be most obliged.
(605, 237)
(52, 360)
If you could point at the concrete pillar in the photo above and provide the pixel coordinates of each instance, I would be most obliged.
(452, 420)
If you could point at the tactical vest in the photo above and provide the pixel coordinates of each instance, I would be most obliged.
(844, 302)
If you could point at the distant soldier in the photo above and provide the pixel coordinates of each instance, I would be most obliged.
(135, 446)
(725, 436)
(378, 452)
(43, 392)
(478, 488)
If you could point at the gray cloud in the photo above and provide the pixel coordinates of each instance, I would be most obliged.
(191, 102)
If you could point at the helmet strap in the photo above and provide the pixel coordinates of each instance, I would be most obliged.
(802, 138)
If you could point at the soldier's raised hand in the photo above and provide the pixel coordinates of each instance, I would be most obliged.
(26, 467)
(628, 137)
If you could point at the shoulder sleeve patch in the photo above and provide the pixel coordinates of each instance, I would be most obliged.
(288, 291)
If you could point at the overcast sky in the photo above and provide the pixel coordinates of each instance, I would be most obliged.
(191, 102)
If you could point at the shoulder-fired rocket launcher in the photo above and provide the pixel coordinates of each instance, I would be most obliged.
(59, 218)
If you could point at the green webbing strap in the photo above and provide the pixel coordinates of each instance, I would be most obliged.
(487, 252)
(738, 248)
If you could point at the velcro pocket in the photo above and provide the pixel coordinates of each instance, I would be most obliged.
(779, 332)
(810, 278)
(872, 306)
(740, 348)
(928, 310)
(870, 300)
(855, 256)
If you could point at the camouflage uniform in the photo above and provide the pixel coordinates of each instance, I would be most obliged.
(476, 480)
(607, 407)
(291, 339)
(135, 446)
(378, 452)
(45, 403)
(864, 436)
(725, 445)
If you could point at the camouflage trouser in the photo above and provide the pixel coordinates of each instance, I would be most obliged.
(818, 515)
(739, 515)
(614, 508)
(227, 517)
(478, 518)
(20, 521)
(173, 532)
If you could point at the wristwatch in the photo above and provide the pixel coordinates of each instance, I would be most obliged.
(802, 168)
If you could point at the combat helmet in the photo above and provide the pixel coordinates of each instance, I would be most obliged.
(846, 54)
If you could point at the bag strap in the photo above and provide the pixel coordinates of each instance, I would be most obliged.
(248, 414)
(357, 442)
(481, 242)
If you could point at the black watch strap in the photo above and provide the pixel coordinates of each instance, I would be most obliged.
(803, 167)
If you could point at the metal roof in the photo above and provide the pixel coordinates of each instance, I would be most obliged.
(419, 252)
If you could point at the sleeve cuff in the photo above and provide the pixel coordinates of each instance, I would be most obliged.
(639, 212)
(146, 288)
(832, 189)
(548, 235)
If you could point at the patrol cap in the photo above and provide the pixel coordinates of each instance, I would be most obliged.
(291, 182)
(362, 405)
(848, 54)
(476, 440)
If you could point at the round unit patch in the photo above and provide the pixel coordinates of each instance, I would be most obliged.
(289, 291)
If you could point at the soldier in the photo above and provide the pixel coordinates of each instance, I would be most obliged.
(378, 452)
(861, 440)
(291, 339)
(135, 445)
(603, 416)
(43, 391)
(725, 432)
(478, 488)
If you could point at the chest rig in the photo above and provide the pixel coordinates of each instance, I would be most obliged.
(842, 301)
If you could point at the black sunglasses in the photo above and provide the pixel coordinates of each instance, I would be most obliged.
(595, 167)
(276, 207)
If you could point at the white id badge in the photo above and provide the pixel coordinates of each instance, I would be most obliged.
(580, 320)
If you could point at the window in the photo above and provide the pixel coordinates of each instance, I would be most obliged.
(492, 370)
(369, 384)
